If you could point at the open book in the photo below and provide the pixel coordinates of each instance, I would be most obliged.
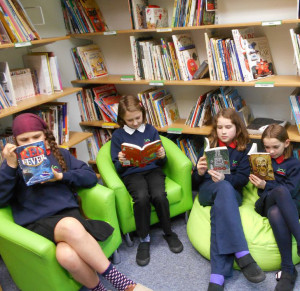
(34, 163)
(217, 158)
(140, 157)
(260, 164)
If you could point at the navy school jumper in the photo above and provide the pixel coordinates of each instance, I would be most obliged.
(225, 197)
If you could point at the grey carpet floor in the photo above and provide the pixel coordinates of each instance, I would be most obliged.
(167, 271)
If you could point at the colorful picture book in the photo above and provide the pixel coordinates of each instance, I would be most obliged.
(217, 158)
(187, 55)
(140, 157)
(260, 164)
(33, 161)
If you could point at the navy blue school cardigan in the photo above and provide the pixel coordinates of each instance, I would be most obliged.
(138, 138)
(239, 168)
(42, 200)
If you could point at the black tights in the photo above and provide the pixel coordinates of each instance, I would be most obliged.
(284, 220)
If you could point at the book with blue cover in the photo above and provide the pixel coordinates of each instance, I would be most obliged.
(33, 161)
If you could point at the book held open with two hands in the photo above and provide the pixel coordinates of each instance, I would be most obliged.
(217, 158)
(260, 164)
(33, 161)
(140, 156)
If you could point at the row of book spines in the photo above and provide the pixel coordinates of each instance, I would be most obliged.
(225, 64)
(210, 103)
(16, 21)
(79, 18)
(187, 147)
(191, 13)
(3, 141)
(155, 61)
(296, 46)
(86, 65)
(99, 138)
(295, 107)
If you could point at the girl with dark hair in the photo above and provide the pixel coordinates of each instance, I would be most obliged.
(224, 194)
(50, 209)
(145, 184)
(279, 200)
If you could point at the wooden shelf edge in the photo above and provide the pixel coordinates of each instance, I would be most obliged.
(75, 138)
(37, 42)
(205, 130)
(178, 29)
(272, 81)
(37, 100)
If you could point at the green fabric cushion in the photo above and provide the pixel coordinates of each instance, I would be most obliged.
(258, 232)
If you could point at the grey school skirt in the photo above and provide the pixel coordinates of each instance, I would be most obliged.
(100, 230)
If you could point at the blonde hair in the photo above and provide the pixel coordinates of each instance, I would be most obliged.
(279, 132)
(241, 137)
(129, 103)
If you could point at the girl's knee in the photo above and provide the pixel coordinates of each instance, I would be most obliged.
(69, 227)
(66, 256)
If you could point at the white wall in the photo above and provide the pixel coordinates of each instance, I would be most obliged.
(267, 102)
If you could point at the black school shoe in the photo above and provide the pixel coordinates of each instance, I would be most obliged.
(250, 269)
(143, 254)
(286, 281)
(174, 243)
(215, 287)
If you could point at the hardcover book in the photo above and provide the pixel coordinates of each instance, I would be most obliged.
(217, 158)
(140, 156)
(260, 164)
(33, 161)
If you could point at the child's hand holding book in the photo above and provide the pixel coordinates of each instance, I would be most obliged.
(10, 155)
(257, 182)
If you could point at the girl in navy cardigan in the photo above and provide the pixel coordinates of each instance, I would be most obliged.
(280, 200)
(51, 209)
(224, 194)
(145, 184)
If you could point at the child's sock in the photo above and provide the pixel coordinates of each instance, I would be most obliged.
(217, 279)
(99, 287)
(119, 281)
(241, 254)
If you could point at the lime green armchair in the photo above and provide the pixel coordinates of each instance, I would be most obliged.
(178, 185)
(30, 258)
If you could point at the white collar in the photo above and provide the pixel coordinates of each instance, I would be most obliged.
(130, 130)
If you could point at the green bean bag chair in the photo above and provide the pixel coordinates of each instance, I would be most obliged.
(258, 232)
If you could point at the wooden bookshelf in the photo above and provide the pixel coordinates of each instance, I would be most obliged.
(35, 42)
(205, 130)
(273, 81)
(99, 123)
(37, 100)
(188, 28)
(75, 138)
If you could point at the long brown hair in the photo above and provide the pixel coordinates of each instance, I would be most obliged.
(279, 132)
(129, 103)
(55, 149)
(241, 137)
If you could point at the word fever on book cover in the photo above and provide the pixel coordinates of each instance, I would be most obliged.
(34, 163)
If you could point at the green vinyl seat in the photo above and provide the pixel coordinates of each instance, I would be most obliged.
(257, 229)
(178, 184)
(30, 258)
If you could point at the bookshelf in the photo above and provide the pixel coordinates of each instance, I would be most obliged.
(37, 100)
(269, 101)
(75, 138)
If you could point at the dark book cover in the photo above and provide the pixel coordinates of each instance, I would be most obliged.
(34, 163)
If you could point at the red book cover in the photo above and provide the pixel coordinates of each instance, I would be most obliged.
(140, 157)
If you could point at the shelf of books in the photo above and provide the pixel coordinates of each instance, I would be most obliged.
(272, 81)
(75, 138)
(37, 100)
(33, 42)
(188, 28)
